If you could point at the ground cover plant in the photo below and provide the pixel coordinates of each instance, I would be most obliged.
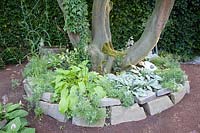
(169, 69)
(12, 119)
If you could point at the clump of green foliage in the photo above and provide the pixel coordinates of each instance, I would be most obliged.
(12, 119)
(12, 55)
(133, 83)
(39, 75)
(76, 13)
(40, 72)
(170, 71)
(35, 67)
(39, 85)
(79, 92)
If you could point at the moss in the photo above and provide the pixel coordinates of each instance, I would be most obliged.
(109, 50)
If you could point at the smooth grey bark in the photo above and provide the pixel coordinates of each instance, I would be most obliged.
(151, 34)
(100, 35)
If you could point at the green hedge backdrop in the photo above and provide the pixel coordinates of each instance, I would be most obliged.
(24, 23)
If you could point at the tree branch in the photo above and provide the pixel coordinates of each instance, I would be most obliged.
(151, 34)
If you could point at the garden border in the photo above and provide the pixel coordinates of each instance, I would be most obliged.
(150, 105)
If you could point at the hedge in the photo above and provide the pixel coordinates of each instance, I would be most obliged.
(24, 23)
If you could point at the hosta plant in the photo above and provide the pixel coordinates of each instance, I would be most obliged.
(12, 119)
(78, 92)
(137, 81)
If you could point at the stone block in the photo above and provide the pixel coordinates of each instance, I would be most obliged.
(28, 90)
(186, 86)
(3, 123)
(176, 97)
(47, 97)
(81, 122)
(121, 114)
(163, 92)
(28, 81)
(105, 102)
(150, 96)
(158, 105)
(150, 66)
(52, 110)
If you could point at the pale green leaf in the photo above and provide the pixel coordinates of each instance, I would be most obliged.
(14, 125)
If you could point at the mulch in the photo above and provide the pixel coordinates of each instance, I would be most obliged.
(182, 118)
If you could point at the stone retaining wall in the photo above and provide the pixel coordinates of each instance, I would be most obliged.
(152, 104)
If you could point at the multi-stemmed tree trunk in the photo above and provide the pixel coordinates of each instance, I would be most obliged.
(102, 55)
(101, 49)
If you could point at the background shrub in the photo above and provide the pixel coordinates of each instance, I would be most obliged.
(24, 23)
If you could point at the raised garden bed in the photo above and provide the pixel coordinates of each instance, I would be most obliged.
(149, 105)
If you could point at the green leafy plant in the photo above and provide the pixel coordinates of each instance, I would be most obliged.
(137, 81)
(79, 85)
(39, 85)
(35, 67)
(12, 55)
(170, 71)
(76, 13)
(12, 119)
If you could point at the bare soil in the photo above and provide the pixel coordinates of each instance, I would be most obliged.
(182, 118)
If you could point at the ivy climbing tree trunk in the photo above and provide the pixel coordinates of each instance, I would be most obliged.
(101, 36)
(73, 37)
(151, 34)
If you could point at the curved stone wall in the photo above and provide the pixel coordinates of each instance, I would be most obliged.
(152, 104)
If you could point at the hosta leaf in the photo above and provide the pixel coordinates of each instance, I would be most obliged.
(82, 87)
(61, 71)
(74, 69)
(149, 87)
(73, 97)
(64, 104)
(28, 130)
(64, 93)
(58, 79)
(24, 122)
(14, 125)
(12, 107)
(17, 113)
